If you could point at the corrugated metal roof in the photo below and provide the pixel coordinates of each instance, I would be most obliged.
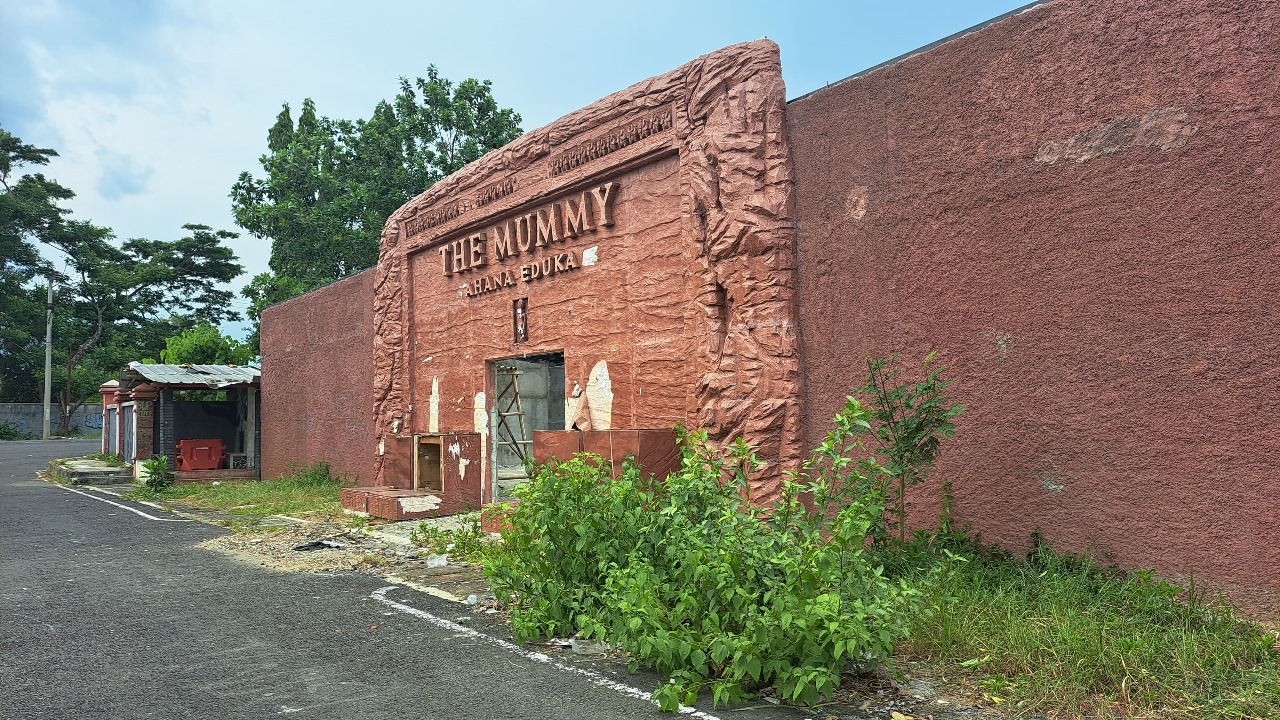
(214, 376)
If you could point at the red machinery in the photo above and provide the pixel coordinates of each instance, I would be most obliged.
(199, 454)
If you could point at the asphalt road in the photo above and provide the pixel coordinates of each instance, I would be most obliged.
(108, 613)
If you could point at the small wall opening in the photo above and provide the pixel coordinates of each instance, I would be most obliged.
(528, 395)
(427, 471)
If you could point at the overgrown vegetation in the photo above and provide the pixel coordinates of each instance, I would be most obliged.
(693, 581)
(156, 475)
(1056, 633)
(466, 543)
(109, 458)
(9, 431)
(310, 490)
(688, 579)
(910, 421)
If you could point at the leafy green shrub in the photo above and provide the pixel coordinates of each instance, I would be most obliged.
(9, 431)
(156, 473)
(700, 585)
(466, 543)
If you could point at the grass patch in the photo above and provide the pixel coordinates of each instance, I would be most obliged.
(1059, 635)
(310, 491)
(466, 543)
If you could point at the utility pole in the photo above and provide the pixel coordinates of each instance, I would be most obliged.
(48, 356)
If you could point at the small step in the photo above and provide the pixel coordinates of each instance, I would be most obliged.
(79, 471)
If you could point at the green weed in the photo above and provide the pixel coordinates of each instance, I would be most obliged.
(466, 543)
(109, 458)
(156, 473)
(9, 431)
(308, 490)
(1058, 633)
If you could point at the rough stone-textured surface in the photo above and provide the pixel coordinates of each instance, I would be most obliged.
(1078, 207)
(317, 389)
(672, 300)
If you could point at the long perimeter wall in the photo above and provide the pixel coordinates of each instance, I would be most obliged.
(1077, 206)
(317, 386)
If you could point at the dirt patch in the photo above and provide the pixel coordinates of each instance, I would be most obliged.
(329, 548)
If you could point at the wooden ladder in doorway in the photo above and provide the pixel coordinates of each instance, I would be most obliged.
(511, 431)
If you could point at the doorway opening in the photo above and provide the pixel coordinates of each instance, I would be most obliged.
(528, 395)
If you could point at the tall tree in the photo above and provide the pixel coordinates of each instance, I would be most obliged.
(330, 185)
(29, 213)
(114, 300)
(112, 289)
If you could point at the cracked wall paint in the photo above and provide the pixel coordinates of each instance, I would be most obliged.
(599, 394)
(480, 425)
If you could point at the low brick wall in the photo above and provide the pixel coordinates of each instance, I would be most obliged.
(29, 418)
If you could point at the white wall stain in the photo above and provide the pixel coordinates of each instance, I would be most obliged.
(420, 503)
(480, 422)
(433, 406)
(599, 392)
(591, 256)
(571, 406)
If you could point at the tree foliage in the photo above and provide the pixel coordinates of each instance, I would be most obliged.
(114, 302)
(28, 208)
(205, 345)
(329, 185)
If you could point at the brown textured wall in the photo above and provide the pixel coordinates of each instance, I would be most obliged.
(317, 387)
(690, 305)
(1077, 206)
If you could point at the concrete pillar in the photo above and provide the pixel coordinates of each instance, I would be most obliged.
(251, 426)
(144, 398)
(108, 390)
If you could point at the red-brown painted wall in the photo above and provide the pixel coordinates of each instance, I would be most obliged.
(317, 388)
(1078, 207)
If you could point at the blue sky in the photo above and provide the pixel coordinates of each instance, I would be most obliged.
(156, 107)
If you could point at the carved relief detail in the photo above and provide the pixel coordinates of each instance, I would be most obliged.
(727, 111)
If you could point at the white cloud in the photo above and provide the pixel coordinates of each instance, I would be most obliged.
(156, 107)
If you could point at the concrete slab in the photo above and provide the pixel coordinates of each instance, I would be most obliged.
(85, 471)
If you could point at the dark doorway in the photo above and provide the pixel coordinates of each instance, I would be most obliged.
(528, 395)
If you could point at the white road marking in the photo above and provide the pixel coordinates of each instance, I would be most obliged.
(125, 507)
(596, 678)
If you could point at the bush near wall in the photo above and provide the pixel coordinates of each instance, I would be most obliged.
(695, 582)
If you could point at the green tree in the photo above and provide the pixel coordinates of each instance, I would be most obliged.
(328, 186)
(113, 290)
(28, 211)
(115, 302)
(204, 345)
